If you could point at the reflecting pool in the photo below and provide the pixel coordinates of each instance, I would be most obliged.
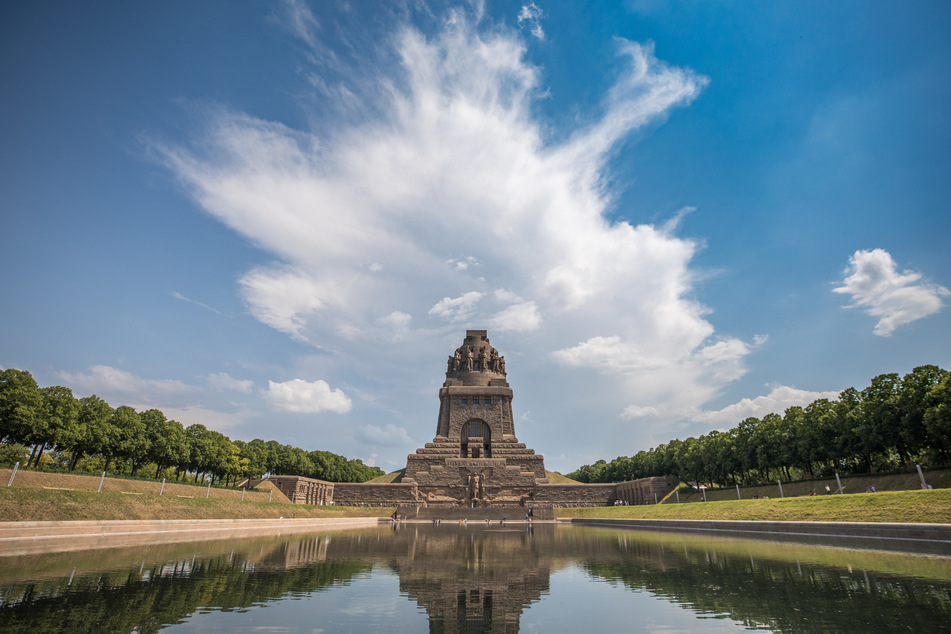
(448, 578)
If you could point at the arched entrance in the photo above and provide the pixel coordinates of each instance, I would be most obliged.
(476, 439)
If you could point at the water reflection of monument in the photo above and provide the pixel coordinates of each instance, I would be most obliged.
(475, 580)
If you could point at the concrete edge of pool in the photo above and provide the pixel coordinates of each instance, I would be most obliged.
(34, 537)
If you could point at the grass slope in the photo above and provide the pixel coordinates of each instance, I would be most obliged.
(19, 504)
(892, 506)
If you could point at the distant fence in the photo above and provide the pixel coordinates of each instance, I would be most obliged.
(76, 482)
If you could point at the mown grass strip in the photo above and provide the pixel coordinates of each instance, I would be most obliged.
(23, 504)
(894, 506)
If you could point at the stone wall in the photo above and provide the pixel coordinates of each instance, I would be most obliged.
(364, 494)
(300, 490)
(512, 480)
(568, 495)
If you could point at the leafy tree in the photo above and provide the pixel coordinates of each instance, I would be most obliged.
(937, 417)
(21, 405)
(166, 440)
(60, 416)
(913, 403)
(123, 436)
(94, 420)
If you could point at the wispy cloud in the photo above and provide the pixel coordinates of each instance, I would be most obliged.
(363, 220)
(223, 381)
(875, 285)
(777, 401)
(530, 18)
(178, 295)
(125, 387)
(308, 397)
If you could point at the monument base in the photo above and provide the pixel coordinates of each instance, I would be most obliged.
(494, 514)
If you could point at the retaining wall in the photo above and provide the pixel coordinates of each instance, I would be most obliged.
(21, 538)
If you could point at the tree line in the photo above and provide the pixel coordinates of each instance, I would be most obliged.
(890, 425)
(89, 434)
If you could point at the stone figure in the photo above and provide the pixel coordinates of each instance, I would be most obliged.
(456, 361)
(449, 365)
(494, 360)
(502, 365)
(472, 484)
(482, 361)
(468, 359)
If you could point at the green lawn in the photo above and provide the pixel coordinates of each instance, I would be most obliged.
(18, 504)
(892, 506)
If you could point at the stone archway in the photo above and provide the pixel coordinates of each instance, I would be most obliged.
(476, 439)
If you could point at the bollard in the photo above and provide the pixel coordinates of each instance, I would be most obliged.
(270, 493)
(162, 490)
(738, 492)
(208, 492)
(14, 474)
(677, 491)
(924, 485)
(655, 498)
(780, 483)
(99, 490)
(242, 494)
(839, 481)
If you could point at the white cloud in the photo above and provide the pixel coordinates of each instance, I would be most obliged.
(210, 418)
(881, 291)
(124, 387)
(530, 17)
(388, 435)
(456, 308)
(777, 401)
(307, 397)
(521, 317)
(223, 381)
(367, 223)
(178, 295)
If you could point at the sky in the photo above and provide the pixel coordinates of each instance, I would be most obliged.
(278, 219)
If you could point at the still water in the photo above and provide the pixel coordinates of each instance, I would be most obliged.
(419, 578)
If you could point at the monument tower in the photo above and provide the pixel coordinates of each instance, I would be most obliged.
(475, 458)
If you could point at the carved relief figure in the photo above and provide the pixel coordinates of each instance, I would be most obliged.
(468, 359)
(482, 361)
(494, 360)
(456, 361)
(501, 365)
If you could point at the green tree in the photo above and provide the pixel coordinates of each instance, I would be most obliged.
(878, 419)
(166, 440)
(937, 417)
(123, 436)
(21, 405)
(913, 403)
(61, 416)
(94, 420)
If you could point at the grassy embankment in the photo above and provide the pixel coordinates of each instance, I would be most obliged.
(47, 496)
(890, 506)
(38, 496)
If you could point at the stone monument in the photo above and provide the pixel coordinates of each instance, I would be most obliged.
(475, 467)
(475, 460)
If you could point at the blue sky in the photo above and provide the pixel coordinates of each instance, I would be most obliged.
(278, 219)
